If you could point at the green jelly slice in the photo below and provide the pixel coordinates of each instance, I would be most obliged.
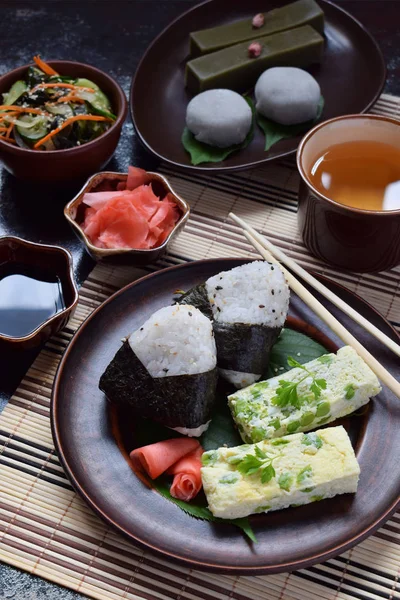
(233, 69)
(296, 14)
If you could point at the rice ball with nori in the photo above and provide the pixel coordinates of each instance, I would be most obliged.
(175, 340)
(248, 305)
(287, 95)
(166, 370)
(219, 118)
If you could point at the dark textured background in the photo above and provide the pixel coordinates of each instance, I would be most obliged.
(111, 35)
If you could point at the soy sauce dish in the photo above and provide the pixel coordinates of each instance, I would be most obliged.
(38, 293)
(59, 120)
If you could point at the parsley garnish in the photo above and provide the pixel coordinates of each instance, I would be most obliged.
(267, 473)
(287, 392)
(292, 362)
(259, 463)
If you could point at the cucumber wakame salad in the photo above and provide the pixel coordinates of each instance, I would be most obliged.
(48, 111)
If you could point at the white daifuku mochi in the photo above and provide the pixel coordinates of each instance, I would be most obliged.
(219, 118)
(287, 95)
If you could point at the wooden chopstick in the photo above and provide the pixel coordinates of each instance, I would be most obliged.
(328, 318)
(320, 287)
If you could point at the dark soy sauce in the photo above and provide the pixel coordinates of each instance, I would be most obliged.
(28, 297)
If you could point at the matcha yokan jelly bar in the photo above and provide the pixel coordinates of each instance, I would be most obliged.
(232, 67)
(325, 389)
(275, 474)
(296, 14)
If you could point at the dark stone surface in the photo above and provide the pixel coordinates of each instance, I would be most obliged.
(111, 36)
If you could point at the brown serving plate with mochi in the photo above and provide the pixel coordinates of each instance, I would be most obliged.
(158, 103)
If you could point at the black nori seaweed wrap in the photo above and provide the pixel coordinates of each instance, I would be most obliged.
(176, 401)
(244, 348)
(241, 347)
(198, 298)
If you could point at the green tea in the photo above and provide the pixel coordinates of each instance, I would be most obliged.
(360, 174)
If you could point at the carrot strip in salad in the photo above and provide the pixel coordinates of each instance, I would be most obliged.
(9, 130)
(3, 128)
(67, 122)
(6, 139)
(68, 86)
(6, 116)
(71, 98)
(44, 66)
(12, 107)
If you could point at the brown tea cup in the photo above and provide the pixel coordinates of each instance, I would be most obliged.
(347, 237)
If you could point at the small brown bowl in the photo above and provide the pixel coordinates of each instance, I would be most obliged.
(52, 166)
(350, 238)
(74, 213)
(53, 260)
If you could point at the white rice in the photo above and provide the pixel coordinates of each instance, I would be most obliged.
(195, 432)
(255, 293)
(238, 378)
(175, 340)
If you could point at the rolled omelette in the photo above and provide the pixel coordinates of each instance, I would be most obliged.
(350, 384)
(294, 470)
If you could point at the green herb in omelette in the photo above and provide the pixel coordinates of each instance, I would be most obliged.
(287, 392)
(229, 478)
(304, 474)
(323, 408)
(259, 463)
(350, 390)
(325, 359)
(312, 439)
(285, 481)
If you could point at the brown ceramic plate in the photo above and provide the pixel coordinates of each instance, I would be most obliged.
(351, 77)
(288, 539)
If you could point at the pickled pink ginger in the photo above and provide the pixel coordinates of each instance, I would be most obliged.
(129, 218)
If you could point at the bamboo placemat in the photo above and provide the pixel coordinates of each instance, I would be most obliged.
(47, 530)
